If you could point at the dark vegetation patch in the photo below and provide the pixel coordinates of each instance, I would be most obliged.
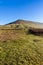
(30, 32)
(33, 31)
(36, 40)
(18, 27)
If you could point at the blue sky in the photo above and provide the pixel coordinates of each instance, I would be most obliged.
(11, 10)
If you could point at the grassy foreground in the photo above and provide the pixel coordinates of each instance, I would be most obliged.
(19, 48)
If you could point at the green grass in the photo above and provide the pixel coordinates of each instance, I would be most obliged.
(19, 48)
(22, 50)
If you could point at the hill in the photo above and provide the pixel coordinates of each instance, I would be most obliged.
(22, 23)
(18, 46)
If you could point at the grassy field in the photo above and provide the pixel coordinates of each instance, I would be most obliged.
(19, 47)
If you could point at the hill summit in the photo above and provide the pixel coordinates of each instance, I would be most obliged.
(19, 21)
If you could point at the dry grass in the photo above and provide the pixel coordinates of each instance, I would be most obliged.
(19, 48)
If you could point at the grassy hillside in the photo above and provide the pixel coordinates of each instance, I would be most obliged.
(19, 47)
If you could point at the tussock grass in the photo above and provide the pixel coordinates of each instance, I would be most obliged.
(19, 48)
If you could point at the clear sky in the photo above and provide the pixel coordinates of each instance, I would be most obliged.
(11, 10)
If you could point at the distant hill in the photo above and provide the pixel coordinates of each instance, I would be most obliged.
(23, 24)
(19, 22)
